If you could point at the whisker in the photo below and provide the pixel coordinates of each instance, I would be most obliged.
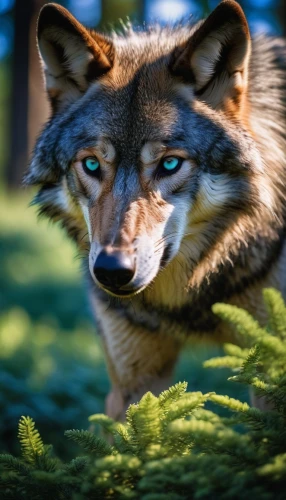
(164, 238)
(84, 236)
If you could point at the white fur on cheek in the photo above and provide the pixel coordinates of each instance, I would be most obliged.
(87, 219)
(215, 190)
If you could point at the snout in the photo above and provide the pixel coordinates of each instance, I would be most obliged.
(115, 269)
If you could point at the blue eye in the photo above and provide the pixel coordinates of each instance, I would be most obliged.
(91, 164)
(168, 166)
(171, 163)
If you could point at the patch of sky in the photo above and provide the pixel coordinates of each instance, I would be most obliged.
(262, 4)
(165, 11)
(252, 4)
(6, 37)
(87, 12)
(265, 23)
(5, 6)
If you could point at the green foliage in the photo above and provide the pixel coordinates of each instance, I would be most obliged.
(38, 268)
(57, 377)
(30, 439)
(90, 442)
(172, 446)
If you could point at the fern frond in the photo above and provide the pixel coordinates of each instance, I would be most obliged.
(90, 443)
(223, 362)
(133, 431)
(122, 440)
(244, 323)
(230, 403)
(235, 350)
(31, 443)
(252, 359)
(147, 421)
(276, 312)
(116, 463)
(213, 418)
(107, 423)
(46, 463)
(276, 468)
(173, 394)
(14, 464)
(130, 412)
(185, 406)
(273, 346)
(77, 465)
(208, 436)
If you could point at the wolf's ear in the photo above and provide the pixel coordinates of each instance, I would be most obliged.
(72, 55)
(215, 58)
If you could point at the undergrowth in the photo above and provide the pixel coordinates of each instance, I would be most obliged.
(176, 446)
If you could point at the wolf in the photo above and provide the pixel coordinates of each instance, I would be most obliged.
(164, 160)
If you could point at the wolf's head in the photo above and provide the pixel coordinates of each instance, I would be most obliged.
(148, 145)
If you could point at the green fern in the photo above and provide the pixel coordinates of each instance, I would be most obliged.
(77, 466)
(173, 394)
(171, 446)
(31, 442)
(276, 312)
(244, 323)
(90, 443)
(13, 464)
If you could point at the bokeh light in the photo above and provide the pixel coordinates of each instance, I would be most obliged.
(166, 11)
(87, 12)
(262, 14)
(6, 5)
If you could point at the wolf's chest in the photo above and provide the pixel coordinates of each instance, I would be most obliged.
(194, 316)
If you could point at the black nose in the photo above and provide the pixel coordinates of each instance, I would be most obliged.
(114, 269)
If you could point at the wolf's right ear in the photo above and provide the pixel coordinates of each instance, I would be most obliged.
(73, 56)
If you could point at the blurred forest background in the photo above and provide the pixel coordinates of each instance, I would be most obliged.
(51, 361)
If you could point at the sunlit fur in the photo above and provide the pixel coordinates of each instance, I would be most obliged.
(212, 231)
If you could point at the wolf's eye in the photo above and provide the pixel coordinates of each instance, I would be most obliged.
(91, 165)
(169, 165)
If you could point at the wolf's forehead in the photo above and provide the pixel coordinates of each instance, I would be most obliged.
(149, 152)
(135, 113)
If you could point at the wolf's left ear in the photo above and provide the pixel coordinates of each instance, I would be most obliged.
(73, 56)
(215, 58)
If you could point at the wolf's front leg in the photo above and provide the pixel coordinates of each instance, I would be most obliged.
(138, 360)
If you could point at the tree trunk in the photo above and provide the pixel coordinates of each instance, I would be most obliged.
(38, 111)
(26, 94)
